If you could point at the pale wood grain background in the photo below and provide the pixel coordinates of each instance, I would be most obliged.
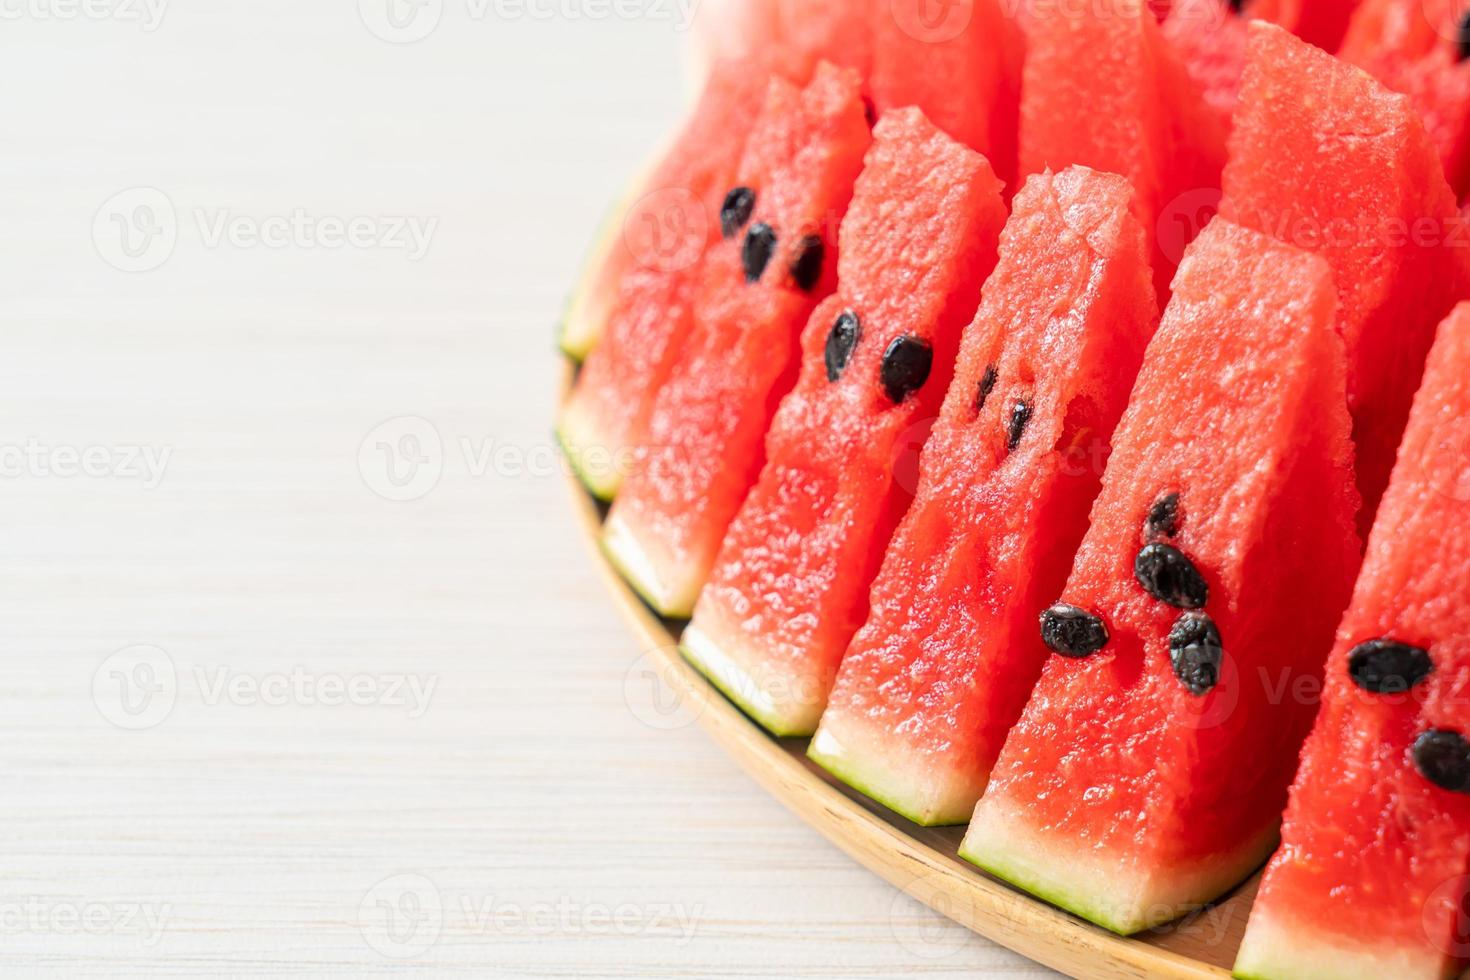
(237, 836)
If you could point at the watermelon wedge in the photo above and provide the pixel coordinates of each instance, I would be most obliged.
(959, 61)
(667, 217)
(1149, 769)
(1371, 878)
(1103, 89)
(605, 418)
(932, 683)
(1325, 158)
(790, 586)
(1418, 47)
(757, 288)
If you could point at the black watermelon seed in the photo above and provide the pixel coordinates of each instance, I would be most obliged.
(1016, 424)
(870, 112)
(1163, 517)
(987, 385)
(806, 268)
(1443, 758)
(760, 245)
(735, 212)
(841, 341)
(1167, 575)
(1195, 651)
(906, 365)
(1386, 667)
(1236, 5)
(1462, 37)
(1072, 632)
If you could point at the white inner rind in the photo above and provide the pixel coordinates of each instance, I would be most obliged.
(768, 698)
(644, 572)
(1276, 948)
(1114, 890)
(928, 795)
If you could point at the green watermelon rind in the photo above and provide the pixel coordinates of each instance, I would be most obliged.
(603, 490)
(582, 322)
(868, 781)
(996, 837)
(1083, 909)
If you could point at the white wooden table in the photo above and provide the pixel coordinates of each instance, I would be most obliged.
(258, 717)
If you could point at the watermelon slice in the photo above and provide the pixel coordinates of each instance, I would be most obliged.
(959, 61)
(1418, 47)
(1103, 89)
(790, 586)
(702, 450)
(1148, 772)
(1325, 158)
(1370, 881)
(663, 225)
(936, 678)
(606, 417)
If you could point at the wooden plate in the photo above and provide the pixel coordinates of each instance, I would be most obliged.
(924, 862)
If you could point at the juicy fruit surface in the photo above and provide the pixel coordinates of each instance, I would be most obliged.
(940, 672)
(959, 62)
(1413, 47)
(667, 217)
(1374, 857)
(1121, 793)
(1326, 159)
(1104, 90)
(704, 443)
(790, 585)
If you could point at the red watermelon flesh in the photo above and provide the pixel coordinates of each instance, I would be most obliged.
(790, 586)
(671, 215)
(1148, 777)
(932, 683)
(669, 231)
(1103, 89)
(959, 61)
(839, 31)
(703, 448)
(1370, 881)
(1413, 46)
(1325, 158)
